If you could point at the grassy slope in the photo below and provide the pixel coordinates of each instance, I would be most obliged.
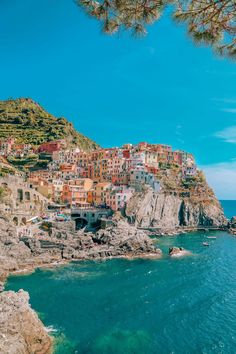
(28, 122)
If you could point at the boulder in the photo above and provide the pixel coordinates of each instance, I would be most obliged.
(178, 252)
(232, 223)
(21, 331)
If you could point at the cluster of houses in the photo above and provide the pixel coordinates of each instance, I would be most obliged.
(102, 177)
(10, 148)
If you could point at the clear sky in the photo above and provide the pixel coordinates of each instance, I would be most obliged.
(118, 89)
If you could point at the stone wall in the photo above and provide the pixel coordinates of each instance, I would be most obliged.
(22, 202)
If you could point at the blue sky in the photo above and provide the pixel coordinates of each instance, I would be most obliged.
(161, 89)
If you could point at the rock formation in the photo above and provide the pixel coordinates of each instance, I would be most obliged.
(168, 211)
(21, 331)
(121, 239)
(64, 243)
(178, 252)
(232, 225)
(232, 222)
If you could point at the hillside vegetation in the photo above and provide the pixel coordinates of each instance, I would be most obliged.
(28, 122)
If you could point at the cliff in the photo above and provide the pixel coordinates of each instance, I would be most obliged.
(29, 123)
(64, 243)
(176, 206)
(21, 331)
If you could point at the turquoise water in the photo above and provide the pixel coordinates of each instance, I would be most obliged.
(229, 207)
(184, 305)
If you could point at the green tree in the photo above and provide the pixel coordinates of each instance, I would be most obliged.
(211, 22)
(2, 193)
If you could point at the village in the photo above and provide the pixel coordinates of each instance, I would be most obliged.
(97, 182)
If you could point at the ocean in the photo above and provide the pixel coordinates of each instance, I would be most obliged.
(229, 207)
(166, 306)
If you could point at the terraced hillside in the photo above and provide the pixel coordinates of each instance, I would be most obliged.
(28, 122)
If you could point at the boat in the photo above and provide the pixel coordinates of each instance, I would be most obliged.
(212, 237)
(206, 244)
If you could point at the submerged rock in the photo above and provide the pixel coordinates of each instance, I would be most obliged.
(121, 341)
(21, 331)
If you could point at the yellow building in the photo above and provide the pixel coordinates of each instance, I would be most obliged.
(99, 192)
(46, 190)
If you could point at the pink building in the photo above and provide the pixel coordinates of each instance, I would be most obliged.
(117, 197)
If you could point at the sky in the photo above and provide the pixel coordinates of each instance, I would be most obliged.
(119, 89)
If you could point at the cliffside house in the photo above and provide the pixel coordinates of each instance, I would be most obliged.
(6, 146)
(52, 146)
(75, 192)
(99, 192)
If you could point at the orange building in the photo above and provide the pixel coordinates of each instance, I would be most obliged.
(75, 191)
(99, 192)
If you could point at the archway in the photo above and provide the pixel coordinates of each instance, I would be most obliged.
(80, 223)
(15, 220)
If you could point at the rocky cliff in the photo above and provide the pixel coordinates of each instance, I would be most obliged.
(60, 241)
(170, 210)
(64, 243)
(182, 201)
(21, 331)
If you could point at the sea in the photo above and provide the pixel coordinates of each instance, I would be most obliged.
(167, 306)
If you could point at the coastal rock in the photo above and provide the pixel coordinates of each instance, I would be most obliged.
(125, 239)
(178, 252)
(202, 213)
(148, 209)
(232, 223)
(21, 331)
(121, 239)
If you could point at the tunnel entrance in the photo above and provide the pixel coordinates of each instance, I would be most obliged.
(80, 223)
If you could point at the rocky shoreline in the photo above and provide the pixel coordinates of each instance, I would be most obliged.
(23, 256)
(21, 331)
(64, 244)
(169, 211)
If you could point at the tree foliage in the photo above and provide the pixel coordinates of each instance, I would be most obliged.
(27, 122)
(210, 22)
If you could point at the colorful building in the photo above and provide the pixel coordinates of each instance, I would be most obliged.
(99, 192)
(52, 146)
